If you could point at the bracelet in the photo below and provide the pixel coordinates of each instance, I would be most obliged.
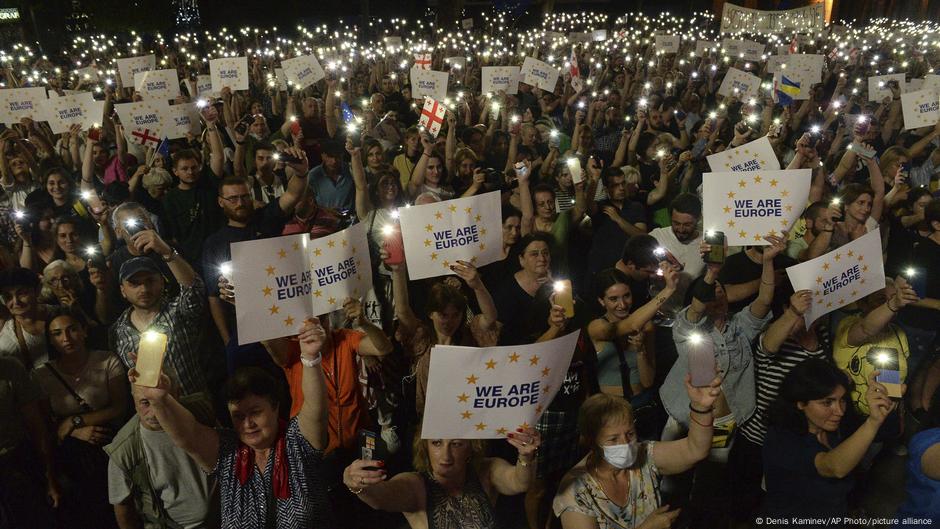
(425, 154)
(355, 491)
(709, 425)
(172, 257)
(522, 462)
(311, 362)
(709, 410)
(766, 283)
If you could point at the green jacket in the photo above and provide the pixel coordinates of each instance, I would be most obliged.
(127, 453)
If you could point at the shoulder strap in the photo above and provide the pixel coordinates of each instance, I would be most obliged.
(81, 402)
(23, 348)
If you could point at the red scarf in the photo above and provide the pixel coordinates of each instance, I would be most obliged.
(244, 464)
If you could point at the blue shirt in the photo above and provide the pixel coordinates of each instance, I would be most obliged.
(338, 194)
(923, 493)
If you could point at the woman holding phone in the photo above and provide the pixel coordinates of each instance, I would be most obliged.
(623, 339)
(809, 451)
(88, 396)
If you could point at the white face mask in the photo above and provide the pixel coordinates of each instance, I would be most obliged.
(621, 456)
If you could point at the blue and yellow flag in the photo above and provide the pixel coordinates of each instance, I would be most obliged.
(786, 90)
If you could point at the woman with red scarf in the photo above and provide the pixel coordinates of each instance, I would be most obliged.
(268, 470)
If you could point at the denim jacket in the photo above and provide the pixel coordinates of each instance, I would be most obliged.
(733, 351)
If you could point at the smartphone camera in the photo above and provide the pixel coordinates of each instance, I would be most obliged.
(716, 241)
(133, 226)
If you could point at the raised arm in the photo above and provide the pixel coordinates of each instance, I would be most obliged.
(469, 273)
(375, 342)
(150, 240)
(778, 331)
(417, 176)
(765, 294)
(509, 479)
(332, 123)
(601, 330)
(879, 318)
(675, 457)
(313, 413)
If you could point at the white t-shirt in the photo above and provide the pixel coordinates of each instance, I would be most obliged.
(184, 488)
(687, 254)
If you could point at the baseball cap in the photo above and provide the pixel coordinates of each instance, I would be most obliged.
(138, 264)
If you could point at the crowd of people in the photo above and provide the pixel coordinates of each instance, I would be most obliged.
(103, 240)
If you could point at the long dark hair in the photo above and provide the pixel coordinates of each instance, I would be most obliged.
(812, 379)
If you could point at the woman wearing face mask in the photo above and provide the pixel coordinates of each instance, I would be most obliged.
(454, 485)
(626, 362)
(617, 484)
(809, 453)
(88, 396)
(446, 323)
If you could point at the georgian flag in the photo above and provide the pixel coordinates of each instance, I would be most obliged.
(432, 116)
(423, 60)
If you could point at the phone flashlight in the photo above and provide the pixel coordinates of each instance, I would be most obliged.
(19, 215)
(225, 269)
(559, 286)
(387, 230)
(202, 103)
(90, 251)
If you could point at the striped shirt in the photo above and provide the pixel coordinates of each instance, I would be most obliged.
(771, 370)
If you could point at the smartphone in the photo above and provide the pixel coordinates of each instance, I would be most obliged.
(94, 133)
(372, 447)
(242, 126)
(520, 169)
(288, 158)
(574, 167)
(394, 245)
(702, 364)
(134, 226)
(888, 362)
(918, 280)
(812, 140)
(680, 115)
(95, 258)
(564, 297)
(150, 358)
(862, 150)
(716, 240)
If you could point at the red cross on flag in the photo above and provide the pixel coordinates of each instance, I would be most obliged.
(145, 137)
(423, 60)
(432, 116)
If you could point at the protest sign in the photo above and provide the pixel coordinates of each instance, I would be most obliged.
(736, 19)
(842, 276)
(280, 79)
(537, 73)
(878, 88)
(580, 36)
(432, 116)
(748, 206)
(496, 78)
(740, 84)
(143, 121)
(204, 86)
(668, 43)
(430, 83)
(752, 51)
(302, 71)
(157, 84)
(423, 61)
(392, 42)
(489, 392)
(182, 119)
(921, 109)
(931, 82)
(467, 229)
(229, 72)
(283, 280)
(129, 66)
(704, 47)
(800, 79)
(456, 63)
(757, 155)
(88, 74)
(81, 109)
(732, 47)
(19, 103)
(599, 35)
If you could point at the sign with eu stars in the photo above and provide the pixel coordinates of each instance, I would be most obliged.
(752, 156)
(487, 392)
(281, 281)
(748, 206)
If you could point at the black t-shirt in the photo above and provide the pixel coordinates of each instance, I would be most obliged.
(739, 268)
(608, 238)
(512, 304)
(192, 214)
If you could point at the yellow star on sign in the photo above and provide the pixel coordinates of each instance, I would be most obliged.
(480, 426)
(850, 254)
(730, 194)
(818, 279)
(478, 218)
(513, 358)
(500, 431)
(344, 243)
(446, 264)
(861, 257)
(482, 246)
(491, 364)
(742, 234)
(438, 215)
(727, 209)
(829, 305)
(289, 322)
(773, 182)
(270, 270)
(825, 266)
(472, 379)
(462, 397)
(788, 207)
(317, 252)
(296, 246)
(482, 231)
(467, 414)
(838, 256)
(865, 268)
(469, 211)
(331, 301)
(267, 291)
(784, 193)
(433, 256)
(274, 309)
(427, 242)
(331, 244)
(281, 253)
(757, 179)
(318, 293)
(546, 389)
(524, 426)
(534, 360)
(783, 222)
(539, 408)
(546, 371)
(429, 228)
(452, 208)
(742, 184)
(730, 223)
(757, 237)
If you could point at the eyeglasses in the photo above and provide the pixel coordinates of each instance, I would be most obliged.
(236, 198)
(59, 280)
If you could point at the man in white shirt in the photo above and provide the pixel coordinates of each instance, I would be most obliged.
(682, 240)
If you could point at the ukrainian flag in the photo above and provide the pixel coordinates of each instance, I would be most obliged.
(786, 90)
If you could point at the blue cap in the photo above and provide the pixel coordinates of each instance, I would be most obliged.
(138, 264)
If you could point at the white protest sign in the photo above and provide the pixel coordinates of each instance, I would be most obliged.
(668, 43)
(283, 280)
(129, 66)
(537, 73)
(757, 155)
(740, 84)
(157, 84)
(489, 392)
(280, 78)
(842, 276)
(703, 47)
(182, 119)
(467, 229)
(580, 36)
(732, 46)
(741, 19)
(921, 109)
(143, 117)
(229, 72)
(65, 111)
(931, 82)
(752, 51)
(19, 103)
(456, 63)
(303, 71)
(599, 35)
(88, 73)
(914, 85)
(430, 83)
(878, 86)
(392, 42)
(496, 78)
(787, 63)
(204, 86)
(748, 206)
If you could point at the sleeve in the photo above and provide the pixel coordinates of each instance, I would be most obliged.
(787, 452)
(272, 219)
(210, 262)
(120, 486)
(570, 498)
(750, 324)
(228, 444)
(422, 372)
(484, 337)
(190, 302)
(683, 327)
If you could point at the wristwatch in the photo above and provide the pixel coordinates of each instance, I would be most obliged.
(77, 421)
(172, 257)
